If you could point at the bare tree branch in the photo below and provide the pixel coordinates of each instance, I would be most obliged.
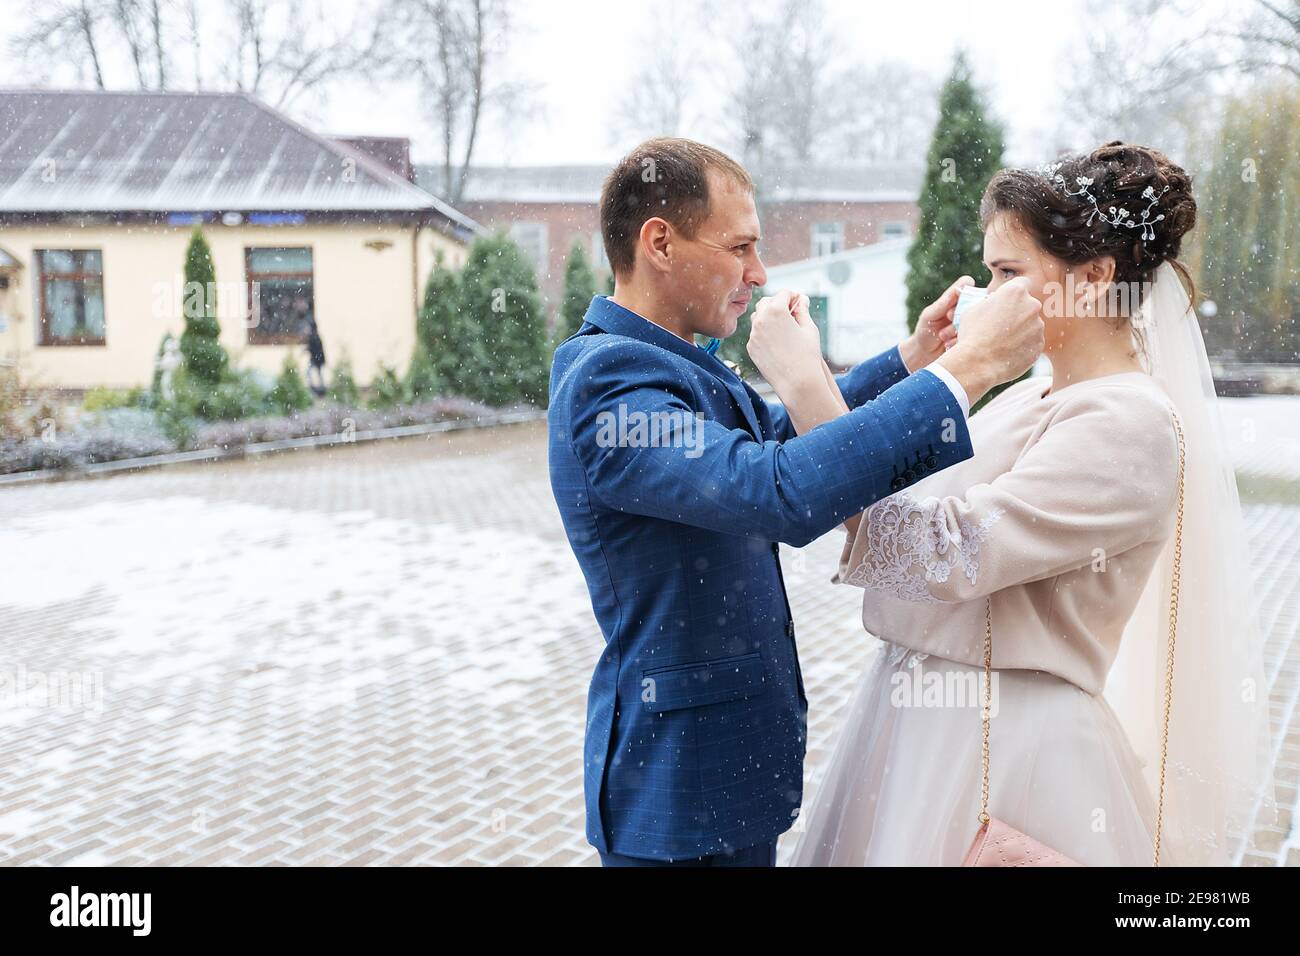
(456, 48)
(655, 99)
(195, 39)
(159, 50)
(276, 49)
(60, 28)
(1267, 29)
(796, 95)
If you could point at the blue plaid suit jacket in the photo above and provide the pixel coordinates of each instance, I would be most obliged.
(696, 714)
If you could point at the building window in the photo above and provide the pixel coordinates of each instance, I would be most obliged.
(894, 230)
(827, 238)
(280, 294)
(71, 296)
(598, 258)
(531, 238)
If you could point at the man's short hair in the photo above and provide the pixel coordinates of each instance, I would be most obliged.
(665, 177)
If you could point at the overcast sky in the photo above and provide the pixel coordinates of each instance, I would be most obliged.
(581, 53)
(577, 55)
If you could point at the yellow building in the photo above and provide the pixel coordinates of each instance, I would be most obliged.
(100, 192)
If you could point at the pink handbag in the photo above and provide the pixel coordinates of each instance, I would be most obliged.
(999, 844)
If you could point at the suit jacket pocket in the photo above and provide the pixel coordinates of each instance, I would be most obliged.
(704, 682)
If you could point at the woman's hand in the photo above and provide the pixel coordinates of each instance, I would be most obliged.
(934, 333)
(785, 344)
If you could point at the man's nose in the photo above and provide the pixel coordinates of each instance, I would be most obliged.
(755, 274)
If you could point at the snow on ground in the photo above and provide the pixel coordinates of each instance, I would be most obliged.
(196, 587)
(381, 655)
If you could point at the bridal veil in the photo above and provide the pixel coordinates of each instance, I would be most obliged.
(1220, 757)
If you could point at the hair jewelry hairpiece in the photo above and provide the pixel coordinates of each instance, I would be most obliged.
(1115, 216)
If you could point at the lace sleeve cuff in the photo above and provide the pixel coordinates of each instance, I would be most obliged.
(904, 543)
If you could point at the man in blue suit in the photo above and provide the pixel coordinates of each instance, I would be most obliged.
(676, 481)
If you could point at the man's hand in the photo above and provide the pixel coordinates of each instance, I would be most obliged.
(934, 333)
(1000, 338)
(784, 342)
(802, 311)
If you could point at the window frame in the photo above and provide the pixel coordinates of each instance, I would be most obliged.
(44, 337)
(835, 234)
(255, 334)
(542, 263)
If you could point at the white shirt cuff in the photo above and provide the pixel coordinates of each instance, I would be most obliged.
(954, 386)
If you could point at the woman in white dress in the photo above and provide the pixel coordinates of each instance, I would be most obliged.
(1060, 529)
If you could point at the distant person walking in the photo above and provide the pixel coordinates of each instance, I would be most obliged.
(316, 358)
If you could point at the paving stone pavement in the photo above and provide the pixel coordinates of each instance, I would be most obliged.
(375, 654)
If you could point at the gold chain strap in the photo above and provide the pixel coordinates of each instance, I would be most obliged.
(986, 703)
(1173, 630)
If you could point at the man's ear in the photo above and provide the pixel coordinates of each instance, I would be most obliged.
(655, 243)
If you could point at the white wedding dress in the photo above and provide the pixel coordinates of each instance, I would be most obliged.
(1063, 521)
(1017, 523)
(902, 786)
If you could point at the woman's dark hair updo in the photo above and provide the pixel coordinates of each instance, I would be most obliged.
(1070, 228)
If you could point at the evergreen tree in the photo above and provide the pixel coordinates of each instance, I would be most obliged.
(579, 287)
(290, 393)
(343, 385)
(385, 388)
(1244, 252)
(205, 358)
(450, 337)
(498, 292)
(421, 378)
(965, 152)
